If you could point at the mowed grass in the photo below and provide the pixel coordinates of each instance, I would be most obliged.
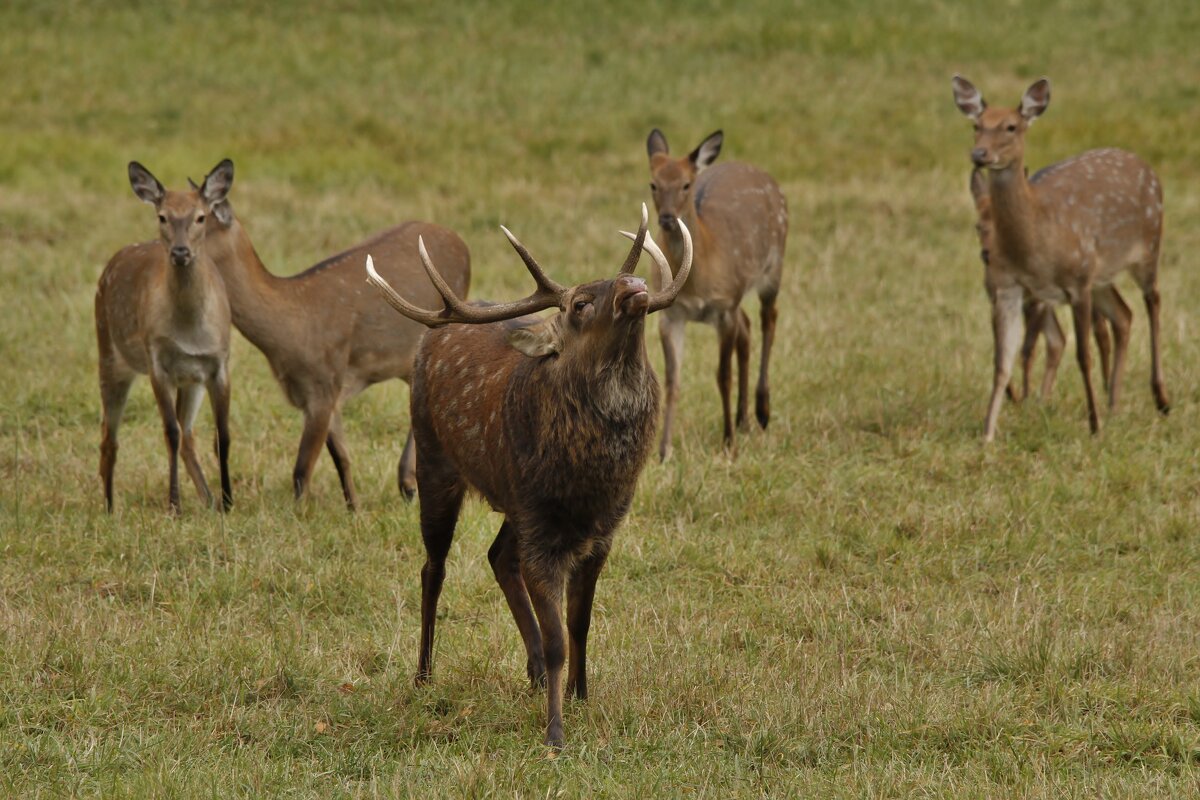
(866, 602)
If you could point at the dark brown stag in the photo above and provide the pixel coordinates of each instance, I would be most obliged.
(551, 420)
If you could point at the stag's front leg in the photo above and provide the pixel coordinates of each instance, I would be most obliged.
(580, 593)
(545, 584)
(1006, 335)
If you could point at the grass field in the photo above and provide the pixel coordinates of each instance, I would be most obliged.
(865, 603)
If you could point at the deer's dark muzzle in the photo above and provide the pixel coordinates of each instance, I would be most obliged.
(979, 157)
(181, 256)
(667, 221)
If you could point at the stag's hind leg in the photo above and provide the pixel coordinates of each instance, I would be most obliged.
(762, 397)
(504, 556)
(406, 470)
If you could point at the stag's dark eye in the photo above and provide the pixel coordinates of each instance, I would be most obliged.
(580, 305)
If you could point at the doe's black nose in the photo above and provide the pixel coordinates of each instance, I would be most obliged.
(979, 157)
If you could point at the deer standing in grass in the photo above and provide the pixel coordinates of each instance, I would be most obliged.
(1064, 237)
(1040, 319)
(551, 421)
(738, 217)
(162, 311)
(325, 334)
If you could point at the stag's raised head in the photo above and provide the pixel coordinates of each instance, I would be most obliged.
(182, 214)
(672, 179)
(1000, 132)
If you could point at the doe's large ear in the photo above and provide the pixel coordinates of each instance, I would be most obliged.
(708, 150)
(656, 143)
(968, 99)
(539, 340)
(215, 191)
(1035, 100)
(145, 185)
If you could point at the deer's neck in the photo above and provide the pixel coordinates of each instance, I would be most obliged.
(260, 302)
(189, 288)
(1015, 211)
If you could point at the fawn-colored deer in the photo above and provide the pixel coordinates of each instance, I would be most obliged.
(551, 420)
(1040, 319)
(738, 217)
(326, 336)
(162, 311)
(1064, 236)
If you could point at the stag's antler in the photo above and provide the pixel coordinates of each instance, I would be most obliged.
(547, 295)
(661, 299)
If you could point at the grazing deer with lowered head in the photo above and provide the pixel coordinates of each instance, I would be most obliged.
(161, 310)
(738, 217)
(325, 334)
(1040, 319)
(1064, 236)
(551, 421)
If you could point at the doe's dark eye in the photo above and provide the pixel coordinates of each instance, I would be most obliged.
(687, 186)
(200, 220)
(162, 218)
(654, 187)
(1012, 128)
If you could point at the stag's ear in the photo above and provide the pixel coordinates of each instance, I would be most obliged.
(656, 143)
(215, 191)
(537, 341)
(968, 99)
(708, 150)
(145, 185)
(1036, 99)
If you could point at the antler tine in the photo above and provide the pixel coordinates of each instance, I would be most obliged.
(543, 281)
(660, 300)
(635, 253)
(660, 260)
(439, 283)
(425, 317)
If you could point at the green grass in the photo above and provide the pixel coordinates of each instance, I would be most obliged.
(866, 603)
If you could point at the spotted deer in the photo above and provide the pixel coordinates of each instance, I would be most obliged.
(1040, 318)
(327, 336)
(738, 216)
(1064, 236)
(551, 420)
(162, 311)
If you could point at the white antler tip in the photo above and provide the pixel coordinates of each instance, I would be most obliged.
(628, 235)
(371, 267)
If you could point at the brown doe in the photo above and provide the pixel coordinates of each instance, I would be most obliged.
(738, 217)
(1040, 318)
(1064, 236)
(162, 311)
(551, 420)
(326, 335)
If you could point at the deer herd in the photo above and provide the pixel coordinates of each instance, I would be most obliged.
(551, 419)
